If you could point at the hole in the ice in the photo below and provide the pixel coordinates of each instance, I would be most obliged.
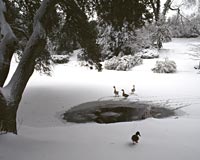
(115, 111)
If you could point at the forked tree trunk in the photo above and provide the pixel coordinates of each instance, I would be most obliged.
(10, 95)
(7, 47)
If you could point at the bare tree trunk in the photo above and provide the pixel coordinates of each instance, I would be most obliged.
(10, 95)
(157, 10)
(155, 4)
(32, 50)
(8, 109)
(7, 45)
(8, 112)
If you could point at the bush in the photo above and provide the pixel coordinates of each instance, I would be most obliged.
(167, 66)
(88, 64)
(122, 63)
(60, 59)
(149, 53)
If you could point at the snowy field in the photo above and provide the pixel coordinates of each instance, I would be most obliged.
(44, 136)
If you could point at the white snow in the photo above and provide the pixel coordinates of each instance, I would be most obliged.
(44, 136)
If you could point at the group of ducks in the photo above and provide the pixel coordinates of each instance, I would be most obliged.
(135, 137)
(116, 93)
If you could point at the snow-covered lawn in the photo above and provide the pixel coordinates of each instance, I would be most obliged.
(44, 136)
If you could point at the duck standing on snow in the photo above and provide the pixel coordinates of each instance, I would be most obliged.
(124, 94)
(135, 137)
(115, 91)
(133, 89)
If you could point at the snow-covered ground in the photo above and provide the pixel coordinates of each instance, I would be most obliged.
(44, 136)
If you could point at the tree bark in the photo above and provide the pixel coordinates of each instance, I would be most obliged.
(155, 4)
(32, 50)
(7, 45)
(8, 112)
(10, 95)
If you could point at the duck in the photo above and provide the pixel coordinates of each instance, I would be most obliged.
(115, 91)
(133, 89)
(124, 94)
(135, 137)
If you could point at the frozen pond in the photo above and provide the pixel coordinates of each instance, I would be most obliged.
(115, 111)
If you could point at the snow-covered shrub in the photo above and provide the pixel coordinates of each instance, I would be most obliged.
(149, 53)
(166, 66)
(60, 59)
(87, 64)
(122, 63)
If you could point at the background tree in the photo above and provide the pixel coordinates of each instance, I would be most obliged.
(155, 4)
(135, 13)
(185, 24)
(160, 32)
(117, 25)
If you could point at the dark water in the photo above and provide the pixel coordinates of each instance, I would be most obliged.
(115, 111)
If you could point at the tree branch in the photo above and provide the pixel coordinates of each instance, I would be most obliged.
(32, 50)
(16, 29)
(179, 13)
(167, 6)
(7, 45)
